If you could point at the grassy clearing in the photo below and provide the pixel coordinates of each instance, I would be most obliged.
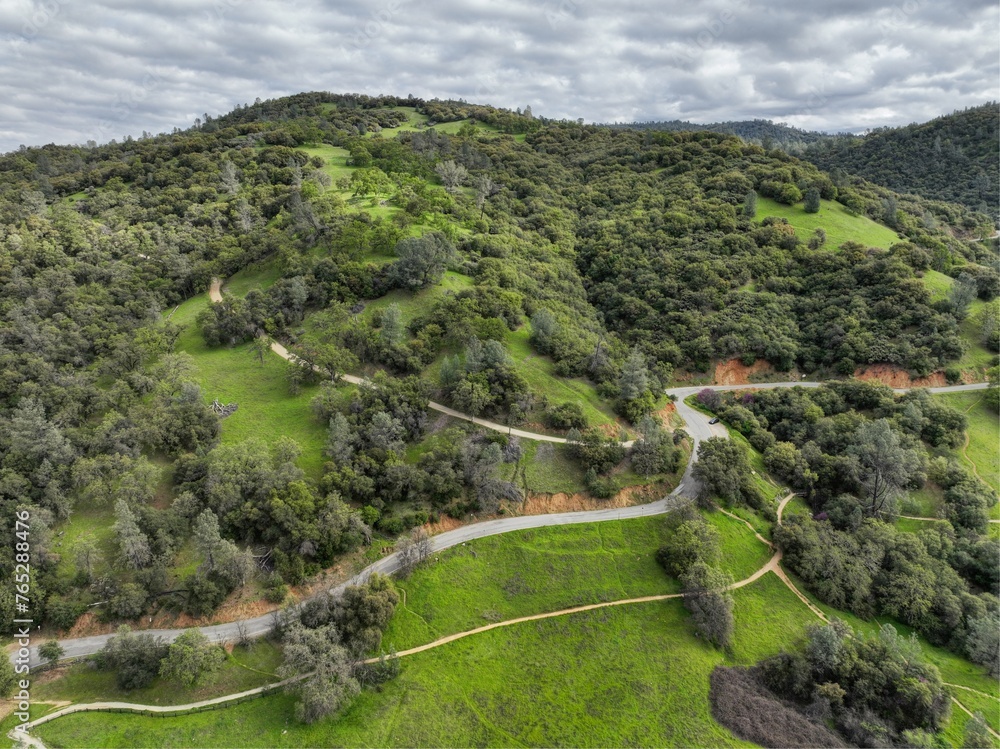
(266, 408)
(555, 682)
(244, 669)
(260, 276)
(529, 572)
(547, 569)
(938, 284)
(334, 157)
(539, 372)
(926, 502)
(834, 219)
(984, 435)
(415, 304)
(88, 520)
(976, 355)
(557, 473)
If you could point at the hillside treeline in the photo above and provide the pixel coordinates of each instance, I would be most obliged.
(628, 254)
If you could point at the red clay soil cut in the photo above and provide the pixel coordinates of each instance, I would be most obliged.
(547, 504)
(735, 372)
(899, 378)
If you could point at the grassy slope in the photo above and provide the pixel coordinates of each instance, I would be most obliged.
(834, 219)
(547, 569)
(234, 375)
(244, 669)
(414, 304)
(267, 409)
(551, 683)
(976, 355)
(539, 372)
(984, 436)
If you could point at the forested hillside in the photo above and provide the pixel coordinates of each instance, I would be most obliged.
(761, 132)
(952, 158)
(531, 271)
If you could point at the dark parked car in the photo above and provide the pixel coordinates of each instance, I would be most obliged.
(714, 421)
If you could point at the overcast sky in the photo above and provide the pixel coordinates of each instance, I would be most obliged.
(96, 70)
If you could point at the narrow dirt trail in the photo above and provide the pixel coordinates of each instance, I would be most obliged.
(819, 613)
(215, 295)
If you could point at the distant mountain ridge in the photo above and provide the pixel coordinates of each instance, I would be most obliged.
(954, 158)
(766, 132)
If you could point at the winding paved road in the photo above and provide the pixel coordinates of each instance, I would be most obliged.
(696, 424)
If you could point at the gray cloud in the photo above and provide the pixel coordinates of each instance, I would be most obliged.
(73, 72)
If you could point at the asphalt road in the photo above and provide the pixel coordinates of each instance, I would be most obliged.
(696, 425)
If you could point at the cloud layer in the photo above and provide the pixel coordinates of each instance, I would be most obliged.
(72, 72)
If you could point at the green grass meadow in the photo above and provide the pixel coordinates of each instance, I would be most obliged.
(633, 675)
(984, 435)
(267, 410)
(976, 355)
(839, 225)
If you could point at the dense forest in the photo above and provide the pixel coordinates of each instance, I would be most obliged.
(951, 158)
(628, 258)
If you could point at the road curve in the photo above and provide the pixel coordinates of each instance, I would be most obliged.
(696, 424)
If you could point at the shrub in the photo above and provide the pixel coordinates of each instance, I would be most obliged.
(566, 416)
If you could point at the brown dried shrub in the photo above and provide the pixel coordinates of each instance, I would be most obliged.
(752, 712)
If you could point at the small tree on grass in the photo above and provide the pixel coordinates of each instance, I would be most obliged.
(422, 261)
(750, 204)
(332, 685)
(370, 181)
(259, 347)
(452, 175)
(86, 556)
(190, 657)
(364, 611)
(689, 539)
(722, 469)
(134, 657)
(812, 200)
(977, 735)
(51, 651)
(711, 607)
